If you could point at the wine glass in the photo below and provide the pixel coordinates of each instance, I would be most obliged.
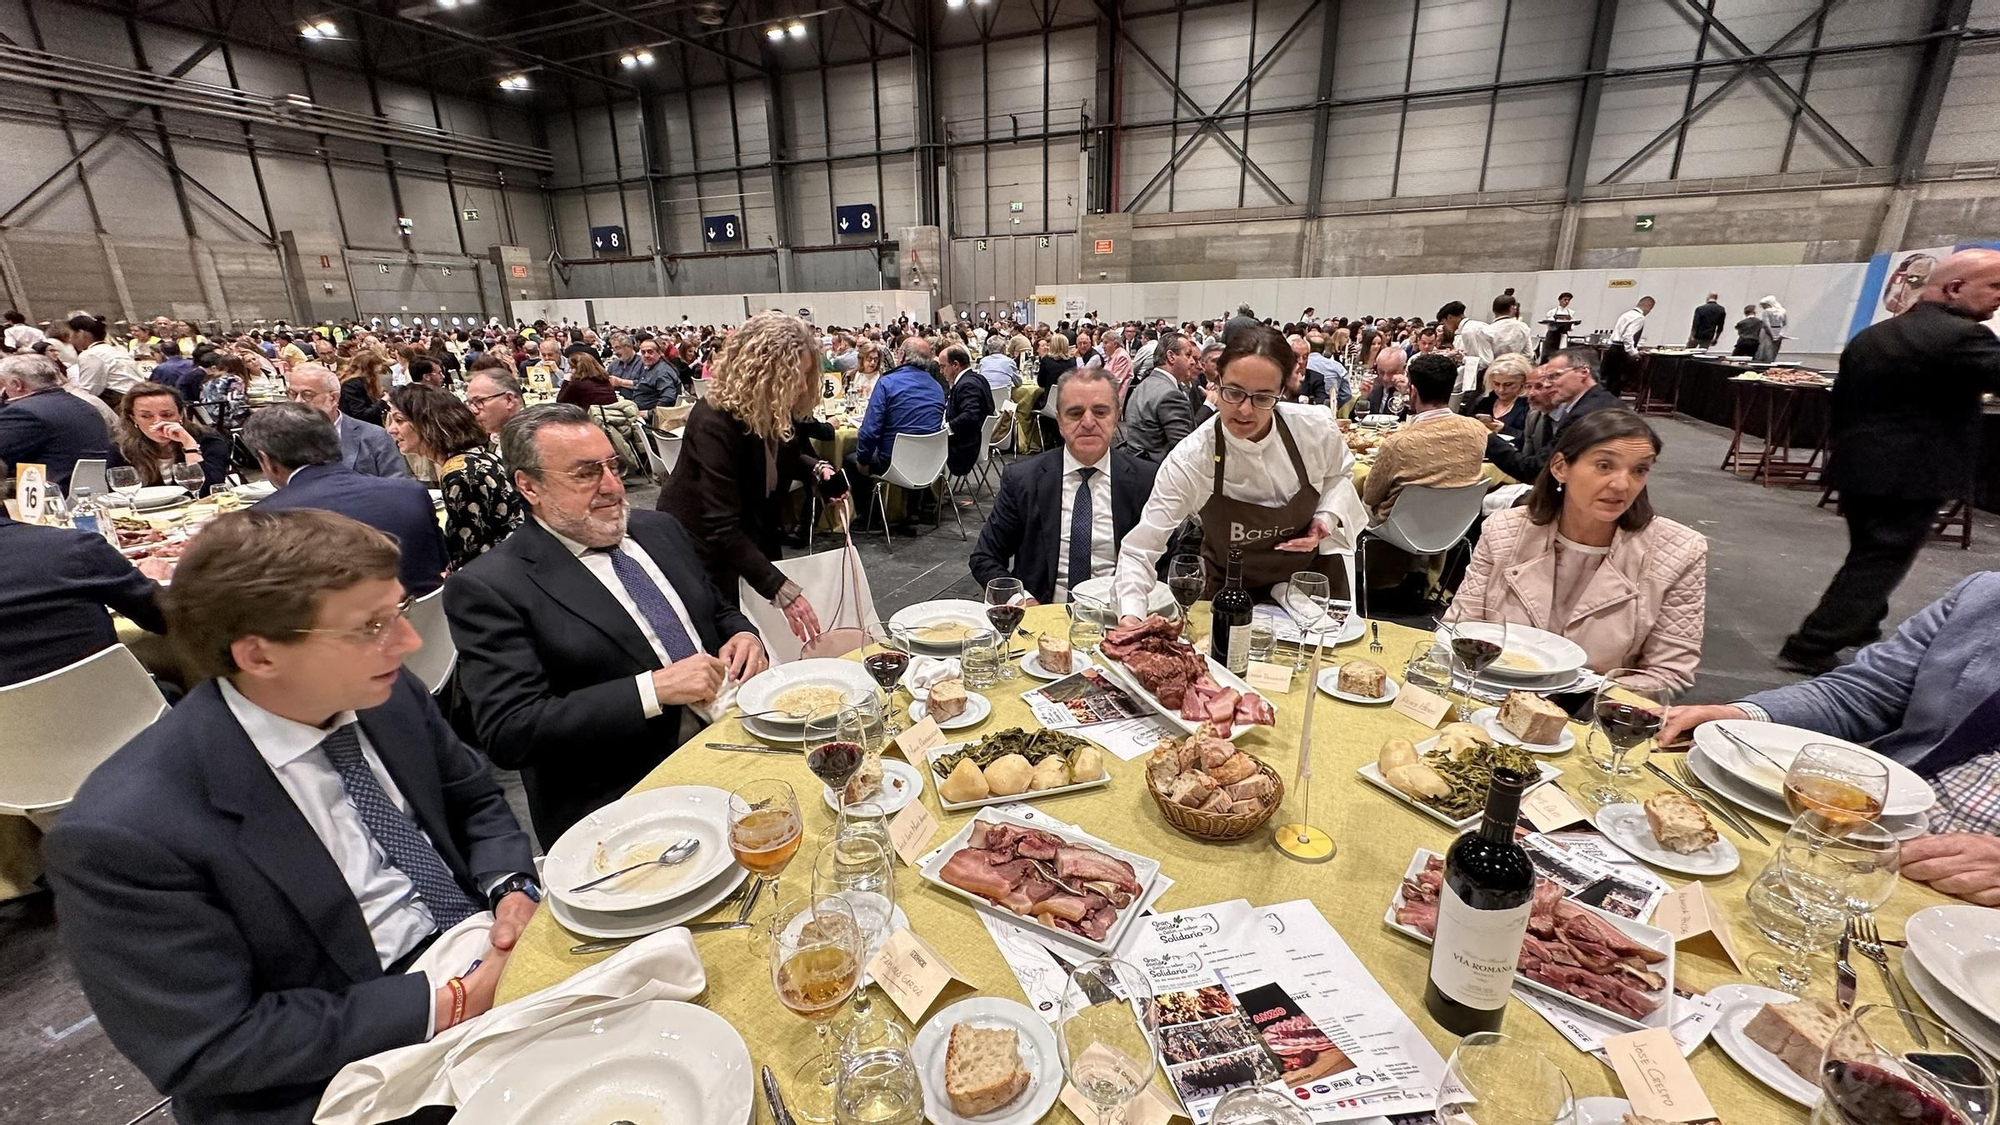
(1106, 1029)
(1309, 600)
(190, 477)
(816, 959)
(1086, 631)
(1495, 1079)
(124, 480)
(1842, 784)
(1254, 1105)
(1885, 1067)
(1187, 577)
(1004, 609)
(764, 829)
(1826, 878)
(1475, 647)
(861, 872)
(1628, 710)
(886, 666)
(879, 1079)
(834, 746)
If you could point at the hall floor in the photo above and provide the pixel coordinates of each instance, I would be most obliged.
(1770, 554)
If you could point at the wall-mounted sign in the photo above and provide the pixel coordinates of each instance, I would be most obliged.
(716, 229)
(1015, 206)
(518, 271)
(471, 214)
(381, 267)
(855, 218)
(1046, 299)
(1043, 242)
(326, 261)
(1643, 222)
(405, 225)
(1624, 283)
(445, 270)
(1103, 246)
(982, 244)
(608, 241)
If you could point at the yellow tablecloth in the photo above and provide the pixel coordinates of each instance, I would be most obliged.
(1026, 423)
(1376, 836)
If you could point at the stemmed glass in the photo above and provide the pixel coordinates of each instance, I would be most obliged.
(1494, 1079)
(1004, 609)
(1187, 577)
(190, 477)
(1106, 1029)
(886, 666)
(1628, 711)
(834, 746)
(1475, 646)
(816, 958)
(124, 480)
(1842, 784)
(1309, 601)
(764, 829)
(1879, 1069)
(1827, 879)
(1086, 628)
(861, 872)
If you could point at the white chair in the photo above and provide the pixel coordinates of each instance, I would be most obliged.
(917, 463)
(699, 387)
(432, 663)
(58, 726)
(820, 579)
(1426, 521)
(982, 470)
(663, 451)
(91, 473)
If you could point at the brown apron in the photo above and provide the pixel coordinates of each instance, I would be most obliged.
(1258, 529)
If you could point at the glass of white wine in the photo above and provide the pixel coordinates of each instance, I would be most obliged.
(816, 950)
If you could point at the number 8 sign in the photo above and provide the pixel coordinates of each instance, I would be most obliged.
(721, 228)
(854, 219)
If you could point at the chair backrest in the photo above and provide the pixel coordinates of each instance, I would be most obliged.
(1424, 520)
(663, 450)
(835, 584)
(58, 726)
(700, 388)
(987, 430)
(92, 473)
(918, 459)
(432, 663)
(1001, 397)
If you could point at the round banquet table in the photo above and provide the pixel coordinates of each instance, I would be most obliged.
(1376, 836)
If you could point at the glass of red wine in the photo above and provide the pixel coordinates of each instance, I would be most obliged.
(1475, 646)
(1889, 1067)
(1004, 608)
(1628, 710)
(834, 747)
(886, 666)
(1187, 578)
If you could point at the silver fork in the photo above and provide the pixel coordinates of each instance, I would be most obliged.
(1868, 940)
(1688, 778)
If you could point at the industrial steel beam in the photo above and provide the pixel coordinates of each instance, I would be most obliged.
(868, 12)
(1797, 99)
(1940, 57)
(1323, 111)
(526, 59)
(671, 36)
(1585, 130)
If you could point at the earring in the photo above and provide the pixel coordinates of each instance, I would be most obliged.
(1559, 488)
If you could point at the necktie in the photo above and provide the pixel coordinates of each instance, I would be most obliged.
(1975, 734)
(653, 605)
(1080, 520)
(409, 851)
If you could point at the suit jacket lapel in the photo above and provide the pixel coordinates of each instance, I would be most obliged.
(563, 577)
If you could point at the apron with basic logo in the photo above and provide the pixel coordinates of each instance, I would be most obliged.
(1258, 529)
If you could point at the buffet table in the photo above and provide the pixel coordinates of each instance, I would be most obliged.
(1376, 836)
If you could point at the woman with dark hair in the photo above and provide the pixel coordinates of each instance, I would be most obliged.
(155, 434)
(588, 384)
(362, 381)
(1266, 477)
(1587, 558)
(480, 505)
(103, 369)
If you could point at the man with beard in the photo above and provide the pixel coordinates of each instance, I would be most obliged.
(591, 642)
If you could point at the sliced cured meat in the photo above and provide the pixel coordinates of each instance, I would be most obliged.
(970, 870)
(1255, 710)
(1074, 862)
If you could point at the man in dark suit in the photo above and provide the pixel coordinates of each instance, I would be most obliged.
(364, 446)
(60, 586)
(967, 407)
(1707, 326)
(242, 887)
(1059, 515)
(297, 448)
(590, 641)
(1905, 439)
(1568, 384)
(43, 424)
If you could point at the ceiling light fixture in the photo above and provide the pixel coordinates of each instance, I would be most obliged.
(775, 33)
(447, 3)
(796, 29)
(627, 61)
(645, 58)
(320, 29)
(514, 82)
(954, 5)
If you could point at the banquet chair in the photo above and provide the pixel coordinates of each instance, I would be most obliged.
(1424, 521)
(981, 471)
(835, 584)
(917, 463)
(663, 451)
(58, 726)
(90, 473)
(434, 661)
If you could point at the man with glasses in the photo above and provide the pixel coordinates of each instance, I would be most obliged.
(248, 889)
(494, 395)
(1563, 389)
(364, 446)
(1158, 412)
(591, 643)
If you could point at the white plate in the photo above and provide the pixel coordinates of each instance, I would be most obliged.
(915, 618)
(255, 490)
(1032, 665)
(761, 692)
(1960, 945)
(157, 496)
(1372, 774)
(591, 924)
(1740, 1003)
(901, 784)
(1733, 788)
(1144, 871)
(663, 815)
(1626, 826)
(1031, 795)
(1040, 1057)
(1950, 1009)
(1216, 672)
(1908, 793)
(1329, 682)
(1488, 719)
(1552, 654)
(662, 1062)
(977, 708)
(1652, 937)
(1159, 599)
(1602, 1111)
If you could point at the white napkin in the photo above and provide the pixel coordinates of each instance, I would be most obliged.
(448, 1069)
(928, 670)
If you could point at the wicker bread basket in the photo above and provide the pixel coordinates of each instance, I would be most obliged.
(1216, 826)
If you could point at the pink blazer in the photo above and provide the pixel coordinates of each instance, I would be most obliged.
(1645, 607)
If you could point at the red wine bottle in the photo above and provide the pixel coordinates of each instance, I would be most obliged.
(1489, 886)
(1229, 619)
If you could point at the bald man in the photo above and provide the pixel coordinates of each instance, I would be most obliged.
(1905, 440)
(365, 447)
(1389, 390)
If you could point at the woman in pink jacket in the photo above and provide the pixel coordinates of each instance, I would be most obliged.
(1587, 558)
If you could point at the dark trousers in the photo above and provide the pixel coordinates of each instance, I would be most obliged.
(1884, 534)
(1745, 348)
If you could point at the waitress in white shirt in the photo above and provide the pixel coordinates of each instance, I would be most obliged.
(1558, 320)
(1268, 477)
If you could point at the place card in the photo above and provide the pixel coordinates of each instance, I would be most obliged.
(1690, 913)
(912, 972)
(1548, 808)
(910, 832)
(1149, 1108)
(1657, 1080)
(1268, 677)
(31, 492)
(917, 742)
(1426, 707)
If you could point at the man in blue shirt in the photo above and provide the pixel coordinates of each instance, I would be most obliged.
(656, 384)
(907, 400)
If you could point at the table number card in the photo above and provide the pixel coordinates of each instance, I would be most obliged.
(910, 832)
(1657, 1080)
(912, 972)
(1691, 913)
(917, 742)
(31, 491)
(1426, 707)
(1268, 677)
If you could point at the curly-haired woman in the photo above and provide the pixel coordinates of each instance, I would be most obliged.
(740, 455)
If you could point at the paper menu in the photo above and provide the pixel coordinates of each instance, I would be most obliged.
(1082, 699)
(1627, 890)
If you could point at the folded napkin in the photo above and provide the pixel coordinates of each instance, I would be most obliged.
(448, 1069)
(927, 670)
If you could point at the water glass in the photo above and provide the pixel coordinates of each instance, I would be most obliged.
(1107, 1029)
(979, 659)
(879, 1083)
(1429, 665)
(1815, 881)
(867, 706)
(1263, 638)
(1254, 1105)
(1086, 633)
(190, 477)
(1494, 1079)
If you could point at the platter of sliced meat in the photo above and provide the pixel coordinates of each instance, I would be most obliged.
(1082, 888)
(1620, 969)
(1151, 661)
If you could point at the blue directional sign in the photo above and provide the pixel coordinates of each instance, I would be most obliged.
(609, 242)
(856, 219)
(721, 228)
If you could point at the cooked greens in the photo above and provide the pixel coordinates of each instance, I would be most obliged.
(1032, 745)
(1472, 774)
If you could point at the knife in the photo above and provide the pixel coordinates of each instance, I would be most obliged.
(750, 748)
(1844, 971)
(779, 1113)
(1742, 744)
(1727, 816)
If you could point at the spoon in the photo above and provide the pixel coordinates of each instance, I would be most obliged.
(807, 714)
(676, 854)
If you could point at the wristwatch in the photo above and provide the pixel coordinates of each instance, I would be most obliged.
(523, 883)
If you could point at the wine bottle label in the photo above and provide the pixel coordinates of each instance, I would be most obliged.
(1239, 649)
(1477, 951)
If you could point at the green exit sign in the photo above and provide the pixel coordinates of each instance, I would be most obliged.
(1643, 222)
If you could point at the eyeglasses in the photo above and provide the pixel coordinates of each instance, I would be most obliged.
(590, 472)
(477, 401)
(1262, 400)
(305, 396)
(375, 630)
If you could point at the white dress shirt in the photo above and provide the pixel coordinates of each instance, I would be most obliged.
(1628, 328)
(1257, 472)
(101, 367)
(1103, 553)
(21, 337)
(598, 564)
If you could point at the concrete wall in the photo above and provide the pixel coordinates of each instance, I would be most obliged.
(847, 310)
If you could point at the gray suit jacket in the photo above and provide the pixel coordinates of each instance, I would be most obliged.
(368, 449)
(1157, 415)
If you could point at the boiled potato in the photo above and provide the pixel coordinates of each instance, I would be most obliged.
(966, 783)
(1087, 764)
(1009, 775)
(1050, 773)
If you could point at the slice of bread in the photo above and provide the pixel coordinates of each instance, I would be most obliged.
(946, 700)
(1678, 824)
(1531, 718)
(1364, 678)
(982, 1069)
(1053, 653)
(1796, 1032)
(867, 781)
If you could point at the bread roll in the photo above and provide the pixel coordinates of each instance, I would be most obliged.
(982, 1069)
(1678, 824)
(1009, 775)
(1364, 678)
(1531, 718)
(946, 700)
(1054, 654)
(1796, 1032)
(1234, 768)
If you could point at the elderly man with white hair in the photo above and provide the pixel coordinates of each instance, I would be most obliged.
(364, 446)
